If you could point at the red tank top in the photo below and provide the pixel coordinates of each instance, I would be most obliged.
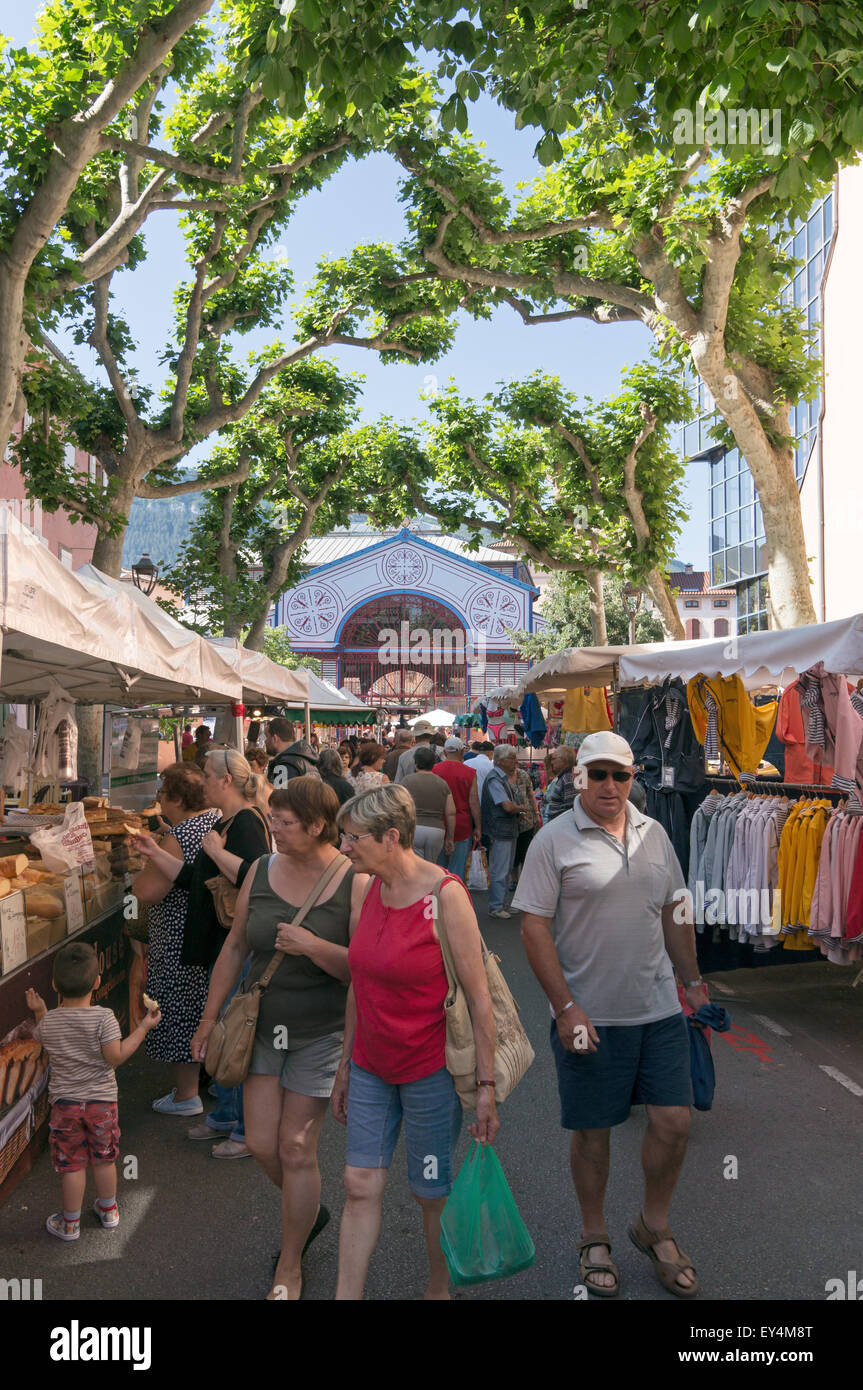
(399, 989)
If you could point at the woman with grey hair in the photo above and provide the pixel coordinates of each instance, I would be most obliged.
(393, 1064)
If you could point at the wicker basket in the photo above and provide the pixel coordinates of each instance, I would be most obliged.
(13, 1148)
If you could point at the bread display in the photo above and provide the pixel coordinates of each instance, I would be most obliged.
(19, 1062)
(11, 865)
(5, 887)
(39, 902)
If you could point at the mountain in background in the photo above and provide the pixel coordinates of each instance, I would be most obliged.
(159, 526)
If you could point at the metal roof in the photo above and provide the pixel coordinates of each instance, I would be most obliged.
(323, 550)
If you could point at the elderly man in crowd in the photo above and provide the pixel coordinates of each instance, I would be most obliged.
(404, 739)
(423, 733)
(461, 779)
(500, 812)
(601, 894)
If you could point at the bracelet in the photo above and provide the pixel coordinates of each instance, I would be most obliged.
(562, 1011)
(485, 1083)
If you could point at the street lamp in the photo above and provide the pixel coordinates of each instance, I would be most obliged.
(632, 597)
(145, 574)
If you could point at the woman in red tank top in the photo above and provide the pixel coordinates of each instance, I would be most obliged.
(394, 1063)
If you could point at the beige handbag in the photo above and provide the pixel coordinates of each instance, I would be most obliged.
(230, 1045)
(225, 893)
(513, 1053)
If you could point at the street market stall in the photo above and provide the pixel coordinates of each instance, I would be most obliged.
(766, 844)
(69, 640)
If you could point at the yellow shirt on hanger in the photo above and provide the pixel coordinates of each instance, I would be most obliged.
(585, 710)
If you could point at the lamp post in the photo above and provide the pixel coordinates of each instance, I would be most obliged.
(145, 574)
(632, 597)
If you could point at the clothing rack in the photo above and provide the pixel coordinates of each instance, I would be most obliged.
(770, 785)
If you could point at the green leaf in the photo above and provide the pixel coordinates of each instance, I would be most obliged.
(777, 60)
(549, 150)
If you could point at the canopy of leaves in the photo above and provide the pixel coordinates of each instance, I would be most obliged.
(566, 608)
(534, 464)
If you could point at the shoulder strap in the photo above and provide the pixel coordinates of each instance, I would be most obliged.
(440, 931)
(329, 872)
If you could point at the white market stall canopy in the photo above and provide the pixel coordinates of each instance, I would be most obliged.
(263, 680)
(327, 700)
(759, 658)
(91, 635)
(439, 718)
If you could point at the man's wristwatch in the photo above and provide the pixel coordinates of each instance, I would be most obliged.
(691, 984)
(562, 1011)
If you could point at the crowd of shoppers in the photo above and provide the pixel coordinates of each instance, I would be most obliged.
(354, 1013)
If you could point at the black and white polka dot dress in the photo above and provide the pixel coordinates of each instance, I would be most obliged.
(180, 990)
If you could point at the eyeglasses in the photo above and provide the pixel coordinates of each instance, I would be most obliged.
(352, 839)
(599, 774)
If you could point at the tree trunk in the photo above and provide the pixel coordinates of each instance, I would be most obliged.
(13, 348)
(672, 624)
(596, 599)
(772, 470)
(257, 632)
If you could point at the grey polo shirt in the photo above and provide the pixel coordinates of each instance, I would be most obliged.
(605, 900)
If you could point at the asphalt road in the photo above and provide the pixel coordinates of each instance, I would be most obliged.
(788, 1111)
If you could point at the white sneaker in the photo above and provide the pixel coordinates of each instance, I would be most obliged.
(501, 914)
(109, 1218)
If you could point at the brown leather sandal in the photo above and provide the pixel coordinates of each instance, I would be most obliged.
(666, 1271)
(587, 1267)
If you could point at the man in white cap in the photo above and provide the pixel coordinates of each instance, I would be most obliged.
(461, 779)
(597, 895)
(423, 733)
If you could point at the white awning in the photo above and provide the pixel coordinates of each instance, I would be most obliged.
(263, 680)
(761, 658)
(93, 636)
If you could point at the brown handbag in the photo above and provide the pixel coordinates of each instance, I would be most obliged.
(225, 893)
(513, 1053)
(230, 1045)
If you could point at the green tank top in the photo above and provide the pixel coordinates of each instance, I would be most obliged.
(300, 997)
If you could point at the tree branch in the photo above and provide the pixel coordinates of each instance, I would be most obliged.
(238, 475)
(99, 340)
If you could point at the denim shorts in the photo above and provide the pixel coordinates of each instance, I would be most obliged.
(636, 1064)
(432, 1115)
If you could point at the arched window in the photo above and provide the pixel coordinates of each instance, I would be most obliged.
(720, 627)
(693, 628)
(405, 650)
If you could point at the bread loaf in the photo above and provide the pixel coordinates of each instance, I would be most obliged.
(5, 887)
(40, 903)
(11, 865)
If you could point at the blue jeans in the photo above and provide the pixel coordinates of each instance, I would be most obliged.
(500, 862)
(458, 859)
(227, 1115)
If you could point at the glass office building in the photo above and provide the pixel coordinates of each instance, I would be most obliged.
(738, 554)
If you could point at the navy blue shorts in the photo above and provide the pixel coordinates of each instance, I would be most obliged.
(639, 1064)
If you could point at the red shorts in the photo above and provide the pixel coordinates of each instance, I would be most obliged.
(83, 1133)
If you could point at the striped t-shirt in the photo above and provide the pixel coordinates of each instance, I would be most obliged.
(73, 1039)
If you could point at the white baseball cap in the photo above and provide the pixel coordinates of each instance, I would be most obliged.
(453, 745)
(605, 747)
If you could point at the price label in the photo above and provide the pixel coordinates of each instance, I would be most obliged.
(74, 903)
(13, 931)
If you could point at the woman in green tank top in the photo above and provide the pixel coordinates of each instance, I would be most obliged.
(298, 1043)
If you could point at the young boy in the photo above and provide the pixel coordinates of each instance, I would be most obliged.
(84, 1045)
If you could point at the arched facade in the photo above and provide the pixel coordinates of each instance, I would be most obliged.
(405, 620)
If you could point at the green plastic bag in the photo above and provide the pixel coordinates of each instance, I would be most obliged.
(482, 1235)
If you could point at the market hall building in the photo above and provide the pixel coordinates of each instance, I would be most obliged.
(411, 617)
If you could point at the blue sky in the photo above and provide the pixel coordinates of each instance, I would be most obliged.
(360, 204)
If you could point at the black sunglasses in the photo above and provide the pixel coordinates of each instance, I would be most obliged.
(599, 774)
